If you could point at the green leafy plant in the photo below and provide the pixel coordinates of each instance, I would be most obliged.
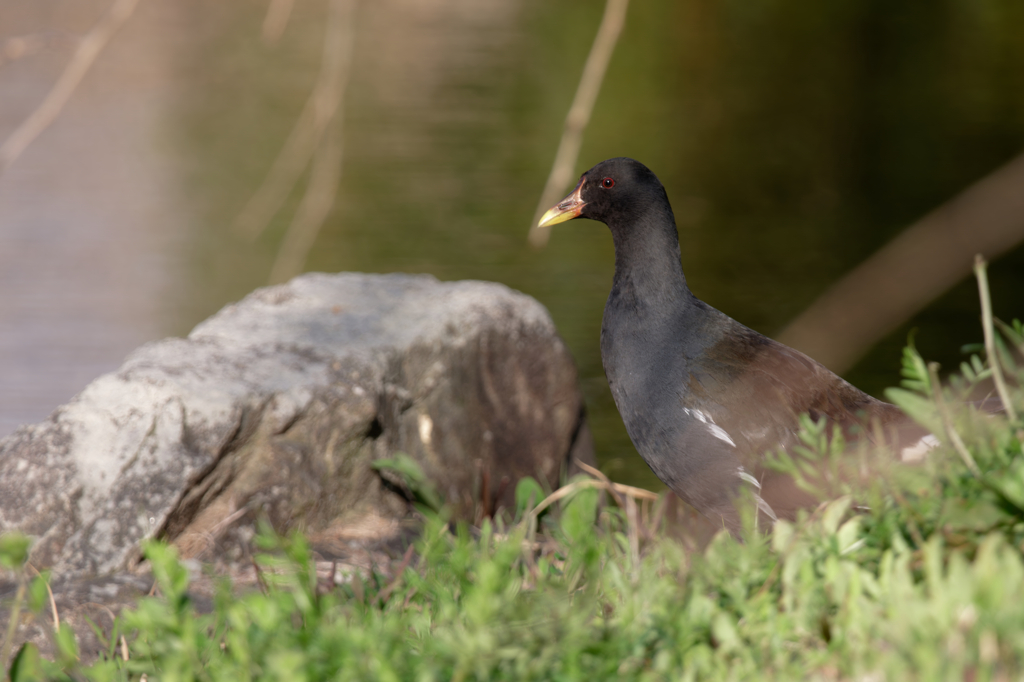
(903, 572)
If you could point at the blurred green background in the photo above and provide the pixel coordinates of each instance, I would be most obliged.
(795, 138)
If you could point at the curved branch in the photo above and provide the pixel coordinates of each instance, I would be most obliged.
(913, 269)
(47, 112)
(326, 107)
(579, 114)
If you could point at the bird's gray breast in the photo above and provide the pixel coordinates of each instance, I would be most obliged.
(649, 366)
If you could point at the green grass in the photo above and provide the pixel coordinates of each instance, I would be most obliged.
(905, 573)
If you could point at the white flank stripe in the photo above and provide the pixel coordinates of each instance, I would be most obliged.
(763, 506)
(742, 473)
(716, 430)
(917, 451)
(719, 433)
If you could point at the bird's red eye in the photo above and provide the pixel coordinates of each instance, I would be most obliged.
(607, 183)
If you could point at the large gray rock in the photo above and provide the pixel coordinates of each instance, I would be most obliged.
(277, 406)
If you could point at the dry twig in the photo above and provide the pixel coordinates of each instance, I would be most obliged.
(316, 136)
(53, 602)
(579, 114)
(599, 475)
(634, 534)
(88, 49)
(323, 181)
(947, 421)
(658, 515)
(567, 490)
(990, 340)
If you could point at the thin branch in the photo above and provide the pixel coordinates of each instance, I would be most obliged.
(906, 274)
(659, 513)
(310, 128)
(579, 114)
(990, 342)
(567, 490)
(88, 49)
(53, 601)
(599, 475)
(634, 535)
(226, 521)
(947, 421)
(316, 135)
(323, 182)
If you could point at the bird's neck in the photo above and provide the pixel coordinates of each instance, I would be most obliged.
(647, 267)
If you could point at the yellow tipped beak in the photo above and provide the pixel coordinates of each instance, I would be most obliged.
(566, 209)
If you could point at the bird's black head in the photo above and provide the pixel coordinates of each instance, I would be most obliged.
(615, 192)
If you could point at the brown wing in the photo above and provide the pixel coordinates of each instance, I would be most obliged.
(756, 388)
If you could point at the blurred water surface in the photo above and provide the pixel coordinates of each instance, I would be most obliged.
(794, 139)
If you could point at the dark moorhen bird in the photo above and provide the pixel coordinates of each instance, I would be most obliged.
(703, 397)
